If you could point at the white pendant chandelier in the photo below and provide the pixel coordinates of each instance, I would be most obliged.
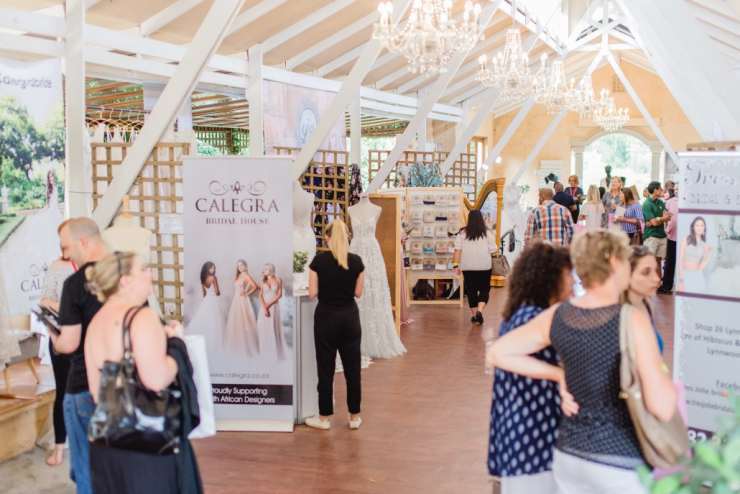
(509, 71)
(607, 115)
(553, 92)
(582, 100)
(430, 37)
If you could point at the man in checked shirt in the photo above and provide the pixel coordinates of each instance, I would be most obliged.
(550, 221)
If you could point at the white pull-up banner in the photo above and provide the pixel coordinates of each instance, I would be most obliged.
(238, 217)
(707, 326)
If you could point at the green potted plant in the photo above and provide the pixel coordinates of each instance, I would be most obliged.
(714, 466)
(300, 259)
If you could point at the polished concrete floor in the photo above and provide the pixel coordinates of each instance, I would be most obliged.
(425, 425)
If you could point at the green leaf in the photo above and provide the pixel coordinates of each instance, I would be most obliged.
(707, 452)
(667, 485)
(646, 476)
(731, 451)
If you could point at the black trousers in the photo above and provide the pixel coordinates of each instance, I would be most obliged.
(669, 270)
(477, 286)
(60, 364)
(337, 331)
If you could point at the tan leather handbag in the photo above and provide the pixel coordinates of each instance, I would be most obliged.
(663, 444)
(499, 264)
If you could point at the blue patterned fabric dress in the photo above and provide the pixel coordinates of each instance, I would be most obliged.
(525, 414)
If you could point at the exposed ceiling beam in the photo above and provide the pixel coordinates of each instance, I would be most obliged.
(332, 40)
(167, 15)
(340, 61)
(306, 23)
(251, 15)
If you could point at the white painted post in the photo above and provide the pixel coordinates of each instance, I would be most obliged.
(339, 103)
(355, 129)
(421, 135)
(180, 86)
(578, 152)
(255, 95)
(657, 152)
(464, 116)
(74, 96)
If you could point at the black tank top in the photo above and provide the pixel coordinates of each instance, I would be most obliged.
(587, 341)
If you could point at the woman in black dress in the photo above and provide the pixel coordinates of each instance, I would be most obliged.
(122, 281)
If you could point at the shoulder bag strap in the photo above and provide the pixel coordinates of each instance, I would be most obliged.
(127, 330)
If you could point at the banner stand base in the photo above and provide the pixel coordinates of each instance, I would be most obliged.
(254, 425)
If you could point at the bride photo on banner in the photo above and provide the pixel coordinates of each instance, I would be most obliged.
(31, 176)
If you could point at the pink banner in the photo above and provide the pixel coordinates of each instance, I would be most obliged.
(291, 114)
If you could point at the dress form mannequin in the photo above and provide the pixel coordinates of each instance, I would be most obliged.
(364, 210)
(304, 238)
(126, 236)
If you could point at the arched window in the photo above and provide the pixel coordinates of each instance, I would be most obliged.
(617, 86)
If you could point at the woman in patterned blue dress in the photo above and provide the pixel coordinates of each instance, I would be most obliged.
(525, 413)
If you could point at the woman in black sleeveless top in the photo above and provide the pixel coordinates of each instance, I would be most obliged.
(597, 449)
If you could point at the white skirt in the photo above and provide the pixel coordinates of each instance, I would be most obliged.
(541, 483)
(575, 475)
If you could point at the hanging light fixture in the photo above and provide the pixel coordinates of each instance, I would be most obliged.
(582, 100)
(553, 92)
(606, 114)
(509, 71)
(430, 37)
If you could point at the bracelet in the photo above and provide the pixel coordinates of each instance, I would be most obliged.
(455, 265)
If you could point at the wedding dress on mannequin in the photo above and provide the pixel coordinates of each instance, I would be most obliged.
(304, 239)
(379, 337)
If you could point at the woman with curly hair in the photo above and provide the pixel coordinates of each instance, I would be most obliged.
(525, 413)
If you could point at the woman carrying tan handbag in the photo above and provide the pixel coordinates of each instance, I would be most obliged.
(599, 446)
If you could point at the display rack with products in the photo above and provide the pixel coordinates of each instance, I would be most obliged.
(434, 215)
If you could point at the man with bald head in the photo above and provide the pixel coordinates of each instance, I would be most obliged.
(81, 243)
(564, 199)
(549, 221)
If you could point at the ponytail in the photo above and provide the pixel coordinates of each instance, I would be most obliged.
(338, 241)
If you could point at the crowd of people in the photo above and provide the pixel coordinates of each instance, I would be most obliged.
(563, 211)
(558, 423)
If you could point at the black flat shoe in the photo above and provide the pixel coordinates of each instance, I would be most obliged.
(479, 317)
(474, 319)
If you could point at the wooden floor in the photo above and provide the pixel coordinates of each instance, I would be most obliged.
(425, 421)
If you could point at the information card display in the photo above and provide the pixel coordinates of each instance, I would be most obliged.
(707, 326)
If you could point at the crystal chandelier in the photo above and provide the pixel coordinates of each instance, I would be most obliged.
(509, 71)
(582, 100)
(430, 37)
(606, 114)
(555, 93)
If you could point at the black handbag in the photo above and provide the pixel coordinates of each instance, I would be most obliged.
(128, 415)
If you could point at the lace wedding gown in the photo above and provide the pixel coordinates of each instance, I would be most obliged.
(379, 337)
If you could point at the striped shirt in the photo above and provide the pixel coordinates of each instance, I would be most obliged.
(633, 212)
(552, 222)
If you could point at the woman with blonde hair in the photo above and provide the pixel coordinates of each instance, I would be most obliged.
(273, 347)
(611, 200)
(240, 335)
(593, 210)
(597, 448)
(336, 278)
(123, 283)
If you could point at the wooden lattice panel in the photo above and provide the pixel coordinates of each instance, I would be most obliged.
(228, 141)
(156, 190)
(463, 172)
(327, 178)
